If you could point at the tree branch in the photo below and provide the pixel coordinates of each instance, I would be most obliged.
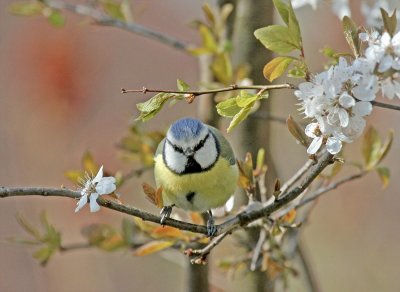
(385, 105)
(202, 253)
(232, 87)
(313, 196)
(298, 175)
(102, 18)
(242, 219)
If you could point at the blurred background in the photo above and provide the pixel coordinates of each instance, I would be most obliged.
(60, 95)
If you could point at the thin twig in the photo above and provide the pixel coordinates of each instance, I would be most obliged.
(102, 18)
(298, 175)
(310, 277)
(258, 249)
(201, 254)
(319, 192)
(232, 87)
(385, 105)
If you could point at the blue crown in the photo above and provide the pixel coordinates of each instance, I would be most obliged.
(186, 128)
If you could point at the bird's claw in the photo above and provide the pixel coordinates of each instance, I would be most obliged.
(211, 228)
(165, 213)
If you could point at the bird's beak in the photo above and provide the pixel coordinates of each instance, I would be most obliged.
(189, 152)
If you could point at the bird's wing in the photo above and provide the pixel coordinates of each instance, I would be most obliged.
(226, 149)
(160, 148)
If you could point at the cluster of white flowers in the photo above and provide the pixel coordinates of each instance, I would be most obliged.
(383, 53)
(373, 16)
(93, 188)
(338, 99)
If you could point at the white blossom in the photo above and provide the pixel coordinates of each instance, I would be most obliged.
(340, 7)
(93, 188)
(338, 100)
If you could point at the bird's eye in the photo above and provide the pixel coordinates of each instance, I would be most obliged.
(201, 143)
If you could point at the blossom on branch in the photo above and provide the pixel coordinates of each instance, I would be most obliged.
(95, 187)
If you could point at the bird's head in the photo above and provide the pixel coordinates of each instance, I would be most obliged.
(190, 147)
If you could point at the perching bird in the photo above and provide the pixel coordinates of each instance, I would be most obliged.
(196, 168)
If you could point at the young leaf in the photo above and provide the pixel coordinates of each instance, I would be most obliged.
(89, 164)
(283, 10)
(294, 27)
(246, 99)
(277, 38)
(228, 108)
(43, 255)
(208, 40)
(150, 108)
(297, 131)
(276, 67)
(182, 85)
(222, 68)
(384, 175)
(168, 231)
(197, 218)
(385, 147)
(389, 22)
(152, 247)
(370, 148)
(239, 117)
(153, 195)
(351, 34)
(209, 13)
(113, 9)
(56, 19)
(28, 227)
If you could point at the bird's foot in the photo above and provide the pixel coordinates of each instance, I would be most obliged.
(211, 228)
(165, 213)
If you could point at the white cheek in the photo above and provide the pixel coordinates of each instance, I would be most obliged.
(174, 160)
(207, 155)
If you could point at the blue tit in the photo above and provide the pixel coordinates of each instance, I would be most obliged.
(196, 168)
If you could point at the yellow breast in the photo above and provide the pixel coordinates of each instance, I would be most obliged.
(197, 191)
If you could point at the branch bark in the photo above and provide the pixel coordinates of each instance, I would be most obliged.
(102, 18)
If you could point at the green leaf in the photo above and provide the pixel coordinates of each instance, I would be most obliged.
(89, 164)
(260, 158)
(113, 9)
(371, 147)
(182, 85)
(209, 13)
(26, 8)
(283, 10)
(277, 38)
(294, 27)
(56, 18)
(28, 227)
(222, 68)
(151, 107)
(246, 99)
(297, 131)
(228, 108)
(384, 175)
(239, 117)
(297, 72)
(43, 254)
(351, 34)
(208, 39)
(276, 67)
(389, 22)
(383, 151)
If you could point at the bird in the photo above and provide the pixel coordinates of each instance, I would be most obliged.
(196, 168)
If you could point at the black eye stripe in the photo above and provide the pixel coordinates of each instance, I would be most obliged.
(196, 148)
(201, 143)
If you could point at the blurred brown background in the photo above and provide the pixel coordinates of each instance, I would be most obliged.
(60, 95)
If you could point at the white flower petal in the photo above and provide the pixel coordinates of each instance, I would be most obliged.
(333, 145)
(99, 175)
(362, 108)
(106, 185)
(385, 64)
(346, 100)
(386, 39)
(315, 145)
(94, 206)
(310, 130)
(343, 117)
(82, 202)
